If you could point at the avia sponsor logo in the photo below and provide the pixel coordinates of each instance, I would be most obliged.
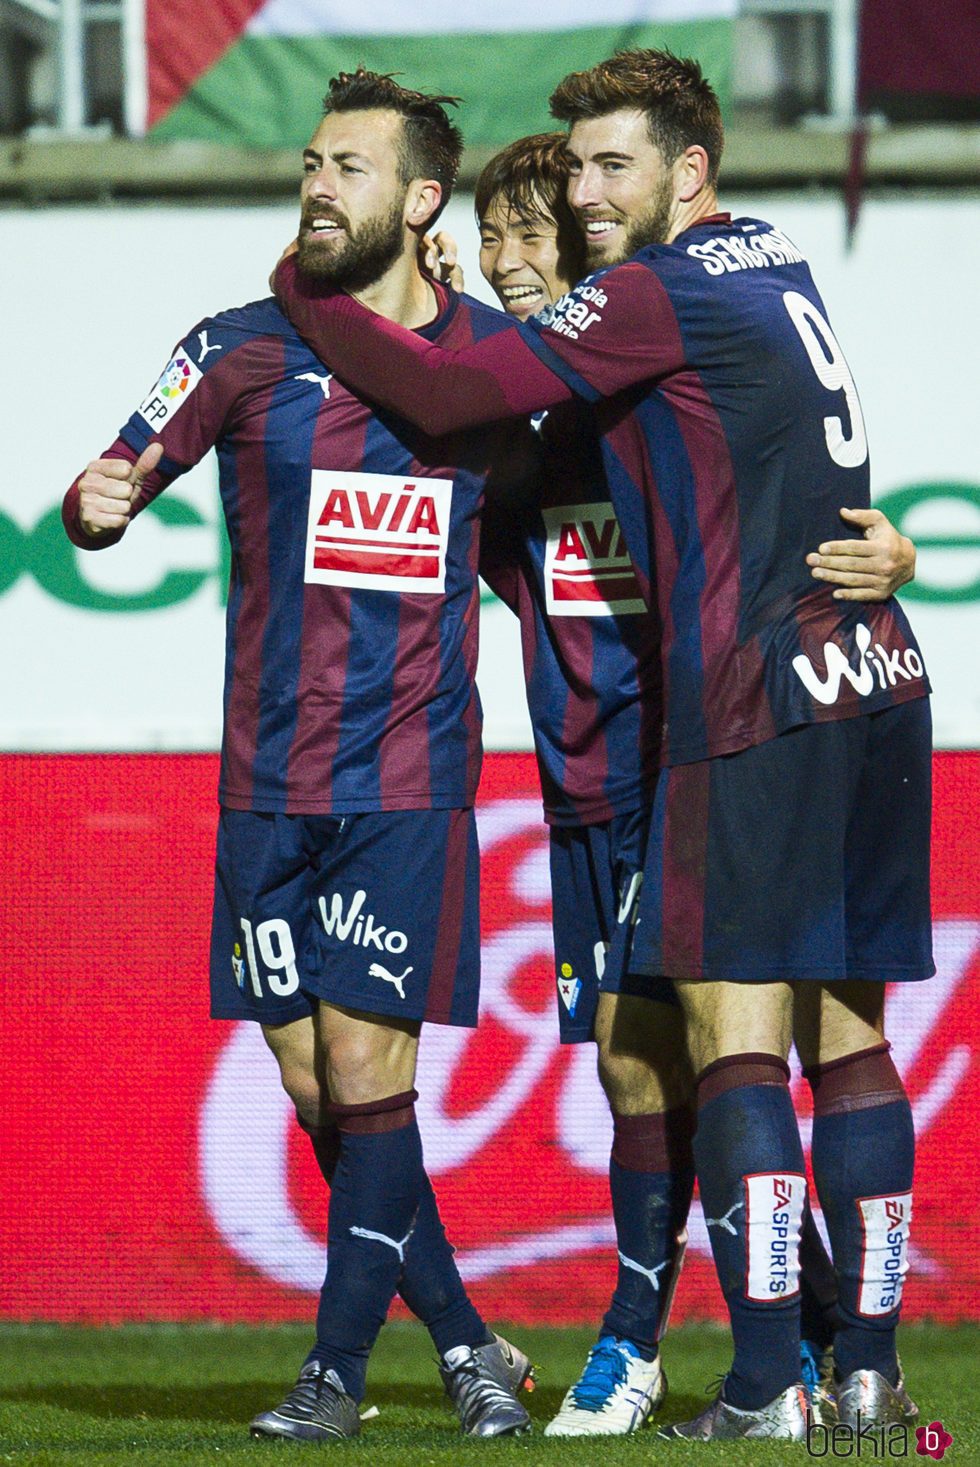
(378, 532)
(587, 570)
(884, 1261)
(773, 1215)
(174, 386)
(361, 928)
(575, 312)
(876, 668)
(736, 252)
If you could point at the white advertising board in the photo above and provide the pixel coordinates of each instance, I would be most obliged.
(123, 650)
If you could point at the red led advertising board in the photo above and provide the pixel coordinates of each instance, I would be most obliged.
(152, 1169)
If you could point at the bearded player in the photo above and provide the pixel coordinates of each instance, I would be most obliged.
(347, 871)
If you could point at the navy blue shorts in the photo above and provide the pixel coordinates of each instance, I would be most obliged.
(806, 857)
(596, 875)
(374, 912)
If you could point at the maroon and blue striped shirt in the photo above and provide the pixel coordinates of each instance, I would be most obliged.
(352, 612)
(731, 435)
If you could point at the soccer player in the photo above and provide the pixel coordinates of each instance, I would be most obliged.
(787, 865)
(346, 893)
(592, 673)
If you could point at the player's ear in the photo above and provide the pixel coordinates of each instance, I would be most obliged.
(421, 201)
(690, 173)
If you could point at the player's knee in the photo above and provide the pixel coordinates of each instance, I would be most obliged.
(368, 1061)
(631, 1084)
(295, 1053)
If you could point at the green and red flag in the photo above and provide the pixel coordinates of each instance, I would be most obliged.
(254, 72)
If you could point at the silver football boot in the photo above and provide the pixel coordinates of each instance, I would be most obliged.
(784, 1419)
(483, 1383)
(865, 1398)
(317, 1409)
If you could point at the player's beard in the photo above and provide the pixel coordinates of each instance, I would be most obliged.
(365, 254)
(653, 227)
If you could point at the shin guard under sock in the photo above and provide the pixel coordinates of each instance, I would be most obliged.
(651, 1180)
(429, 1282)
(750, 1172)
(863, 1154)
(374, 1199)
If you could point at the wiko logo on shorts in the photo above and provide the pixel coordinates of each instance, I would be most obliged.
(378, 532)
(876, 669)
(359, 927)
(773, 1215)
(875, 1443)
(886, 1222)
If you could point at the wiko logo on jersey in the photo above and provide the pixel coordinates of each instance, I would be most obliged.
(177, 381)
(773, 1215)
(360, 927)
(587, 570)
(885, 1261)
(378, 532)
(875, 669)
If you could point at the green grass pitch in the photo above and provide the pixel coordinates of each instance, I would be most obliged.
(183, 1395)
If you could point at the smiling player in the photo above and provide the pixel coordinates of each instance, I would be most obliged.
(787, 866)
(346, 896)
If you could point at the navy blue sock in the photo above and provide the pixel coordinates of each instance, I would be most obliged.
(430, 1283)
(431, 1286)
(863, 1154)
(750, 1172)
(374, 1200)
(651, 1179)
(819, 1315)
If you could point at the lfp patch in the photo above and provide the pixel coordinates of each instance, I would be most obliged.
(176, 383)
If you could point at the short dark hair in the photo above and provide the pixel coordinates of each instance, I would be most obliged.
(430, 145)
(529, 174)
(681, 105)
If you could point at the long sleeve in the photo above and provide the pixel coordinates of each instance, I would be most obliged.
(441, 391)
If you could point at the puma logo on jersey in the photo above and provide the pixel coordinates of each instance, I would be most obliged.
(202, 337)
(324, 382)
(396, 980)
(890, 667)
(588, 571)
(378, 531)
